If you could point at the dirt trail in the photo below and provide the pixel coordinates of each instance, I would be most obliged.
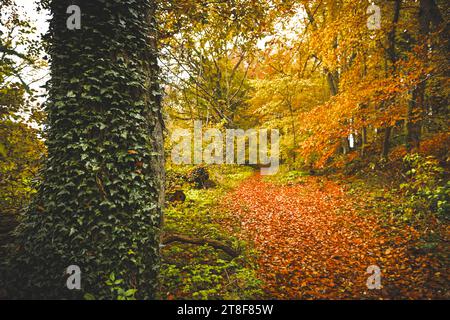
(313, 244)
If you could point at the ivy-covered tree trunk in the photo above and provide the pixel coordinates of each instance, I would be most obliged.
(99, 204)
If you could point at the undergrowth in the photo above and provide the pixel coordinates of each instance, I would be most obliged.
(202, 272)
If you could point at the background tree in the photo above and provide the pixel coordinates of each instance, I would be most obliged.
(20, 115)
(208, 49)
(375, 78)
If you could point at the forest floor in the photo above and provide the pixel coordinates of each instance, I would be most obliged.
(314, 240)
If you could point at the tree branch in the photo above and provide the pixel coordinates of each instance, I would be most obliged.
(170, 238)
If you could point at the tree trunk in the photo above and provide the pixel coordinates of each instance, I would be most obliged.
(386, 143)
(294, 142)
(428, 14)
(345, 145)
(413, 122)
(333, 84)
(363, 139)
(392, 54)
(99, 206)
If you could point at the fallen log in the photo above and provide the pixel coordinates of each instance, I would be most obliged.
(170, 238)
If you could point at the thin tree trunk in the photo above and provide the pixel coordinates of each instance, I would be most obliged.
(428, 14)
(363, 140)
(386, 142)
(413, 124)
(294, 142)
(392, 54)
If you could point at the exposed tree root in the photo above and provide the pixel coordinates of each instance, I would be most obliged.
(170, 238)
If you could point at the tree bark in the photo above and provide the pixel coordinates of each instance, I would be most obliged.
(413, 119)
(428, 14)
(363, 140)
(386, 142)
(392, 54)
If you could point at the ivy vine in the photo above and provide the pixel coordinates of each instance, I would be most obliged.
(99, 203)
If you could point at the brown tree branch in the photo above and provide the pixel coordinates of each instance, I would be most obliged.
(170, 238)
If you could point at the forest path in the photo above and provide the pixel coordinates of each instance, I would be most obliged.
(313, 244)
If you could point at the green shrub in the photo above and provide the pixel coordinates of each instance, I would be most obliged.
(426, 190)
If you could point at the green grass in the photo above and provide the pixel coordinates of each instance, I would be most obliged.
(202, 272)
(286, 176)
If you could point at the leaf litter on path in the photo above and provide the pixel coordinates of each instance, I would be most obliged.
(312, 243)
